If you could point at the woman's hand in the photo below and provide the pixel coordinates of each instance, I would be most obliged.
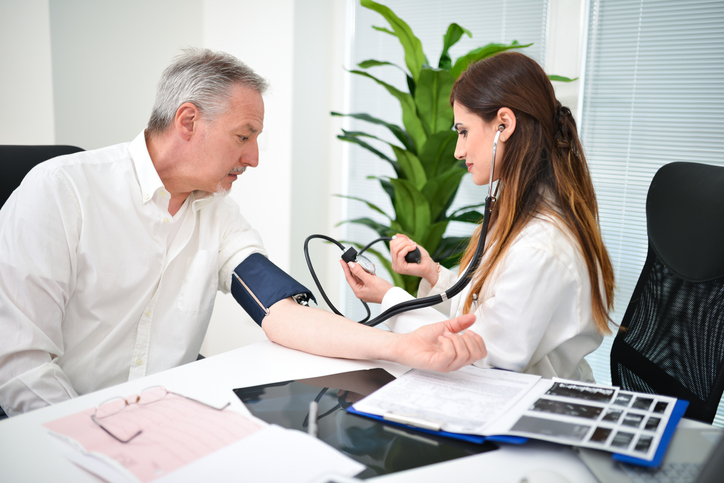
(427, 268)
(366, 287)
(442, 346)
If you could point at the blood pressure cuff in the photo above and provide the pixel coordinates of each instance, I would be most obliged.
(257, 284)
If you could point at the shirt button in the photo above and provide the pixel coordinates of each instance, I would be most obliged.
(148, 314)
(146, 197)
(165, 220)
(139, 361)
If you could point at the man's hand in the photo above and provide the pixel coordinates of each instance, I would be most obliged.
(366, 287)
(441, 346)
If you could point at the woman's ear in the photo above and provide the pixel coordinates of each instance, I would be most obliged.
(507, 119)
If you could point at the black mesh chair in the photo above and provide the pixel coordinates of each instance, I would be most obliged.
(17, 160)
(672, 337)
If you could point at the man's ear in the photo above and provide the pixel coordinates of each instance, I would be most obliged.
(507, 118)
(186, 120)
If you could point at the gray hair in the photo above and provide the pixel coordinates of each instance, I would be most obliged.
(205, 79)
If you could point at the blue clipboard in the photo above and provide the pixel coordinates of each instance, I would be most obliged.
(676, 414)
(470, 438)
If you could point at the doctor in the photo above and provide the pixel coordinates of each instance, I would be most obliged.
(110, 259)
(543, 291)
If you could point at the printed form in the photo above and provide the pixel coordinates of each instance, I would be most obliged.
(465, 401)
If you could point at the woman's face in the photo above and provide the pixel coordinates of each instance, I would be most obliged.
(475, 144)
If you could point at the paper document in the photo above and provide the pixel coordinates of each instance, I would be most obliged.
(464, 401)
(182, 440)
(175, 432)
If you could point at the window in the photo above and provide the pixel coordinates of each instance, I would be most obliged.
(653, 94)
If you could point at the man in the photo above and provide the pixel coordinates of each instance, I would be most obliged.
(110, 259)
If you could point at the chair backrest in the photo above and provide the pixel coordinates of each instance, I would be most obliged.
(672, 337)
(17, 160)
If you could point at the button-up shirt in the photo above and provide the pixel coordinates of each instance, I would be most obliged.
(99, 284)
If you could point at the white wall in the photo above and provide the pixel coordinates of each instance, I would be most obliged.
(26, 83)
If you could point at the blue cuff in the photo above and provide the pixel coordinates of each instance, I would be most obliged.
(257, 284)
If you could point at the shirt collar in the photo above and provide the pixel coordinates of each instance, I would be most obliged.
(148, 178)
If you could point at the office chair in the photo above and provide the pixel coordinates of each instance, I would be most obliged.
(671, 340)
(17, 160)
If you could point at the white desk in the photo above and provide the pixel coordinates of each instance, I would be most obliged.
(29, 454)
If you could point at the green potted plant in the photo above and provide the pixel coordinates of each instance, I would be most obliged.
(427, 175)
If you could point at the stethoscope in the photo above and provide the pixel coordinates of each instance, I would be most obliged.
(352, 255)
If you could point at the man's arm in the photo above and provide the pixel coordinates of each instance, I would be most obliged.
(440, 347)
(39, 230)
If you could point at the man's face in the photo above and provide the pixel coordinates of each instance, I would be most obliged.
(227, 145)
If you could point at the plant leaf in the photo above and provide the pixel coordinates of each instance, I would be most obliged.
(381, 229)
(366, 64)
(396, 130)
(560, 78)
(411, 167)
(468, 217)
(358, 141)
(370, 205)
(414, 56)
(463, 62)
(389, 189)
(438, 153)
(433, 235)
(467, 208)
(450, 249)
(432, 97)
(412, 123)
(385, 30)
(411, 207)
(451, 37)
(441, 190)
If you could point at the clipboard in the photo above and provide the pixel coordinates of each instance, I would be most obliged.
(633, 427)
(470, 438)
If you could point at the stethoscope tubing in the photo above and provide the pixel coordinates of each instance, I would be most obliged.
(429, 301)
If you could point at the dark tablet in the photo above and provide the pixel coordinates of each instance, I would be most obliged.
(381, 447)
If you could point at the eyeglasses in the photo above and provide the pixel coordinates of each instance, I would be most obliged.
(148, 396)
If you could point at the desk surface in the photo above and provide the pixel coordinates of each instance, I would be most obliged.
(29, 453)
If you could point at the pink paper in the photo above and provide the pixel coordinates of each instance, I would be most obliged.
(176, 432)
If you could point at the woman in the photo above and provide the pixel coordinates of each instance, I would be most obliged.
(544, 288)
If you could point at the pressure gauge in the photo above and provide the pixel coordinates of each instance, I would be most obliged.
(365, 263)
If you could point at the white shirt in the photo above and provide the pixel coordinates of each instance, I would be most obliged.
(534, 313)
(99, 284)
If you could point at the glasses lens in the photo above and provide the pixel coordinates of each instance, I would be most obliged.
(110, 408)
(152, 395)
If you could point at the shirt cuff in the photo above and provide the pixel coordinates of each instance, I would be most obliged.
(35, 389)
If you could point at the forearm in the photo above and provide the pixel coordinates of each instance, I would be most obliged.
(324, 333)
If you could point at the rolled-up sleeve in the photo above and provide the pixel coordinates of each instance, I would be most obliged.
(239, 240)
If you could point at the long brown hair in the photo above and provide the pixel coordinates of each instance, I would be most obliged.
(542, 170)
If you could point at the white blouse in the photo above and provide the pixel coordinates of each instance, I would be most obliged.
(534, 313)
